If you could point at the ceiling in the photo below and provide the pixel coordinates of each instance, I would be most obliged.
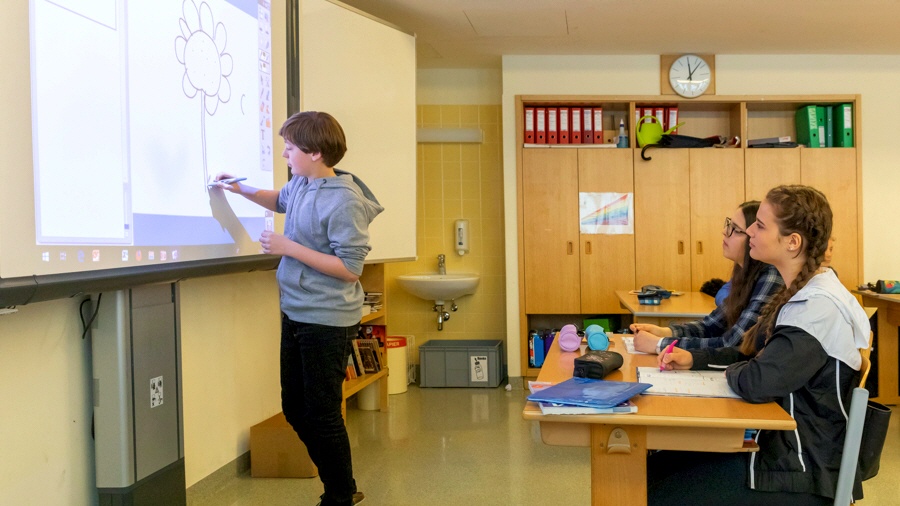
(476, 33)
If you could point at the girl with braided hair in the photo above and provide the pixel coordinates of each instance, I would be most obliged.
(803, 353)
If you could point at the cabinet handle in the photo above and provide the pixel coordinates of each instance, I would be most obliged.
(587, 248)
(699, 247)
(569, 248)
(681, 247)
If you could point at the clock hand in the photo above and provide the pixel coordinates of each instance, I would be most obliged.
(690, 72)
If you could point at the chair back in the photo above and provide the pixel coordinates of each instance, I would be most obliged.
(850, 456)
(866, 366)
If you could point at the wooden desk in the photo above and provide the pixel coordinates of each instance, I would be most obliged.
(686, 307)
(888, 322)
(661, 423)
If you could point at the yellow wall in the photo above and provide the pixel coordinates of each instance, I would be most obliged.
(456, 181)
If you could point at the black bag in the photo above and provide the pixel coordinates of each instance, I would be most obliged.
(596, 364)
(875, 428)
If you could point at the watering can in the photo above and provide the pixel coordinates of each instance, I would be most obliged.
(652, 132)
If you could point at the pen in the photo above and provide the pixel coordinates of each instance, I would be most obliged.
(668, 350)
(227, 181)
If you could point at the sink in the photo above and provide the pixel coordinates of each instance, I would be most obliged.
(439, 287)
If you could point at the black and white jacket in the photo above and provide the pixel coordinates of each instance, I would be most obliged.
(810, 366)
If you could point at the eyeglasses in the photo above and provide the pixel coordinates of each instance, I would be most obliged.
(731, 228)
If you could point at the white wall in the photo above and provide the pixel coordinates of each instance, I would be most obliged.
(876, 78)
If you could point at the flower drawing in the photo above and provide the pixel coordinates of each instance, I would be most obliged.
(201, 49)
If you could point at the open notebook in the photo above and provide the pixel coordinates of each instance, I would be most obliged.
(687, 383)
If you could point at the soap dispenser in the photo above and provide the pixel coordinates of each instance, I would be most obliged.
(461, 237)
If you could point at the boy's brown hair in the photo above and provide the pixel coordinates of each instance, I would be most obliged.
(316, 132)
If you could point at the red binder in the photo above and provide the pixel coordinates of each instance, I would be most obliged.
(540, 125)
(552, 125)
(671, 119)
(587, 125)
(576, 125)
(529, 125)
(660, 113)
(647, 111)
(564, 124)
(598, 125)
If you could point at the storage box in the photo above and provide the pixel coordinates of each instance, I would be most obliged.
(277, 452)
(461, 363)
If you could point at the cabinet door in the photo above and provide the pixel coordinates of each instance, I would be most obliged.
(765, 169)
(717, 188)
(550, 230)
(833, 172)
(662, 221)
(607, 260)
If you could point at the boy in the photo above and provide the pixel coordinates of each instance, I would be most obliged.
(325, 241)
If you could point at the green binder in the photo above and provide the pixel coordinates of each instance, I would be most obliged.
(808, 126)
(829, 126)
(843, 126)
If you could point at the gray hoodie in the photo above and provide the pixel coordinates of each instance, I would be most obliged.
(330, 215)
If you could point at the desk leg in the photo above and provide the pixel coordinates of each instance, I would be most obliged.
(888, 319)
(618, 478)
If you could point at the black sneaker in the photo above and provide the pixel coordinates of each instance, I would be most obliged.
(358, 497)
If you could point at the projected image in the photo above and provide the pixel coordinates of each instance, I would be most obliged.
(132, 121)
(201, 49)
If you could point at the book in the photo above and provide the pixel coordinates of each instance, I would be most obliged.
(357, 358)
(373, 345)
(769, 140)
(686, 383)
(549, 408)
(589, 392)
(368, 360)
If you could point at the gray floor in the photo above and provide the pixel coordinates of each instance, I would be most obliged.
(464, 446)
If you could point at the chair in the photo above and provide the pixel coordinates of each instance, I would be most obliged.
(850, 456)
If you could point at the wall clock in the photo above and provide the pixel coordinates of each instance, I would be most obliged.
(688, 75)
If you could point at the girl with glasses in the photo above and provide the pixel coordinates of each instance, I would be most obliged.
(753, 283)
(802, 353)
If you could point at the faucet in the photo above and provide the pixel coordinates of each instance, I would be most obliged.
(442, 269)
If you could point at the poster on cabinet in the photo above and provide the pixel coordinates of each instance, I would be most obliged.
(606, 213)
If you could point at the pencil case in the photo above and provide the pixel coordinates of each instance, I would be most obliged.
(596, 364)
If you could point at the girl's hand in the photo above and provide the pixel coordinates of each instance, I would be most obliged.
(652, 329)
(676, 360)
(645, 341)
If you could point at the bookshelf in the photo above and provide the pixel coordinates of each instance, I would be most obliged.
(680, 198)
(372, 280)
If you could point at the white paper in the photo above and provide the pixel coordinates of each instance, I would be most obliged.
(606, 213)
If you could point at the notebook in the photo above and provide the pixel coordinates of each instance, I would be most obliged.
(687, 383)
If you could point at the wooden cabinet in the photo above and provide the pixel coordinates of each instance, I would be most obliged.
(550, 237)
(681, 199)
(607, 260)
(567, 272)
(372, 280)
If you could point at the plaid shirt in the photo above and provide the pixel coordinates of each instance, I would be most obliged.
(713, 332)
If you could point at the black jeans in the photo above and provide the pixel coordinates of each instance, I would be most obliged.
(313, 365)
(698, 479)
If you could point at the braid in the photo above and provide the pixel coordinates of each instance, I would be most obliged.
(803, 210)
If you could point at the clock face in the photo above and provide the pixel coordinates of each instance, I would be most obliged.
(689, 76)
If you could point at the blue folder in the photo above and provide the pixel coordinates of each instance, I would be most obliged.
(589, 392)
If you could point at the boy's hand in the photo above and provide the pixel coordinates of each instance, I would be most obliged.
(216, 183)
(275, 244)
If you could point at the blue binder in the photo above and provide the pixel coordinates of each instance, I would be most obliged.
(589, 392)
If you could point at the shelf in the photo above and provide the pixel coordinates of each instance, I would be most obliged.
(356, 384)
(373, 316)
